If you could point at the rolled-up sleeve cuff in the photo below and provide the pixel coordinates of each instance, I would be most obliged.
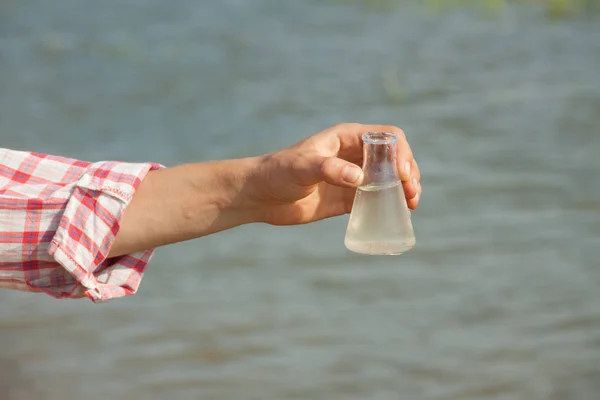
(87, 230)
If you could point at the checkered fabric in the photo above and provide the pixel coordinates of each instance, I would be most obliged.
(58, 219)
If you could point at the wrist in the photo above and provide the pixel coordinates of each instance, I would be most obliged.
(228, 192)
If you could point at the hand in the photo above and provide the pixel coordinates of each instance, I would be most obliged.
(317, 177)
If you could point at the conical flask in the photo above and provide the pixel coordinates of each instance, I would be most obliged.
(380, 219)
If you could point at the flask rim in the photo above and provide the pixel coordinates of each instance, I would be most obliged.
(379, 138)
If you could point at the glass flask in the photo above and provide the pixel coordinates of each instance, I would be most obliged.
(380, 219)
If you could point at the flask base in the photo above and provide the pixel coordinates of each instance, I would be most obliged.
(388, 248)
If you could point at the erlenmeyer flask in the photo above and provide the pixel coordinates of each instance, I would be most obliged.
(380, 219)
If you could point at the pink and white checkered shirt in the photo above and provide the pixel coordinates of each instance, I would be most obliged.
(58, 220)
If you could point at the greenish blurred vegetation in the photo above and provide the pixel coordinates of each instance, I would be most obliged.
(552, 8)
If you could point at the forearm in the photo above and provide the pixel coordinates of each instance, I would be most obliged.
(186, 202)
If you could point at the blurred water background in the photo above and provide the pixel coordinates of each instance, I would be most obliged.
(499, 300)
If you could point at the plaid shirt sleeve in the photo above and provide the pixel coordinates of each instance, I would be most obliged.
(58, 220)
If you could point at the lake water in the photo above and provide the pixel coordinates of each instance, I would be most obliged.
(500, 299)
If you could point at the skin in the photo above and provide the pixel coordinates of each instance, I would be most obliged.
(311, 180)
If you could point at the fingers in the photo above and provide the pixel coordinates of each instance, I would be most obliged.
(405, 159)
(410, 174)
(410, 189)
(413, 203)
(342, 173)
(415, 171)
(338, 172)
(350, 144)
(412, 186)
(345, 141)
(310, 170)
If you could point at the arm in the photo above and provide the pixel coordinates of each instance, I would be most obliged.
(71, 228)
(311, 180)
(186, 202)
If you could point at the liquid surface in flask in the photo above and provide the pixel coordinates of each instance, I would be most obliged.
(380, 221)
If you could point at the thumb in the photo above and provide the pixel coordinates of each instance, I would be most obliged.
(338, 172)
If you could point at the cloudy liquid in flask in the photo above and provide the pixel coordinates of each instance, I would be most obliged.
(380, 221)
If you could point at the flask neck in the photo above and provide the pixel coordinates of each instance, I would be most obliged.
(379, 159)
